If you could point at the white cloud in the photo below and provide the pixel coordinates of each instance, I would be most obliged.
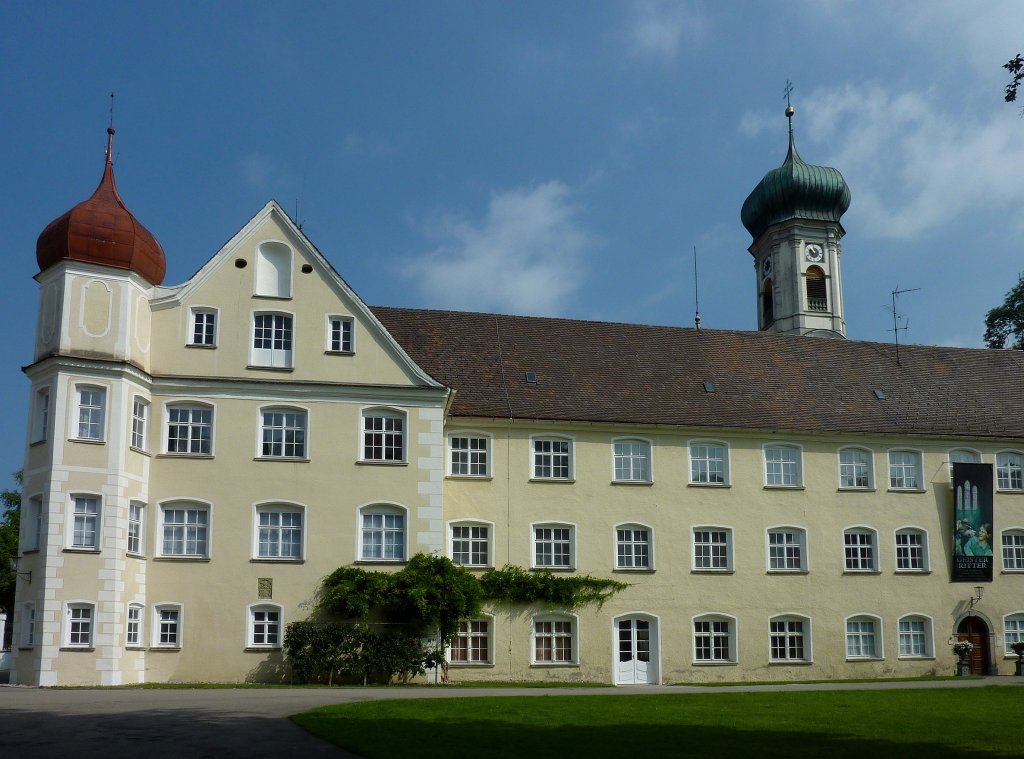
(262, 172)
(524, 256)
(659, 26)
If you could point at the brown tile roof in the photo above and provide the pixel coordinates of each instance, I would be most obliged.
(639, 374)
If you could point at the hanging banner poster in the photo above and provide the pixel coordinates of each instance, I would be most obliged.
(972, 522)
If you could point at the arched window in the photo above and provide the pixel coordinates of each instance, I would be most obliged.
(714, 639)
(265, 624)
(863, 637)
(634, 547)
(767, 303)
(274, 270)
(911, 550)
(860, 549)
(915, 635)
(789, 638)
(382, 531)
(817, 293)
(554, 639)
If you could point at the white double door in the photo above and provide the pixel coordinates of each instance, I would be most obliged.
(635, 664)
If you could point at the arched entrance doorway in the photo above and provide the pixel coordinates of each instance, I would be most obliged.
(975, 630)
(636, 639)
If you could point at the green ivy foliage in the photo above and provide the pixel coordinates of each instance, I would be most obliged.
(515, 585)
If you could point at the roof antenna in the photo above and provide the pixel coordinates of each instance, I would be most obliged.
(895, 318)
(110, 133)
(696, 290)
(296, 217)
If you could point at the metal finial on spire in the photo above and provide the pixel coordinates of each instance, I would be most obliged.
(790, 110)
(110, 132)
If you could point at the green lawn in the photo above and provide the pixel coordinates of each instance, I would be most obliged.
(947, 722)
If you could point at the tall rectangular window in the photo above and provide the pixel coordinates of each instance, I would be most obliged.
(79, 629)
(551, 459)
(854, 468)
(133, 630)
(85, 521)
(708, 464)
(711, 640)
(1010, 470)
(860, 638)
(140, 414)
(279, 533)
(91, 412)
(383, 534)
(469, 455)
(786, 550)
(168, 627)
(632, 459)
(272, 341)
(383, 436)
(633, 547)
(782, 465)
(711, 548)
(283, 434)
(341, 334)
(190, 430)
(1013, 550)
(32, 529)
(185, 531)
(135, 528)
(913, 637)
(910, 551)
(41, 415)
(859, 550)
(471, 643)
(787, 640)
(28, 625)
(904, 470)
(552, 546)
(470, 546)
(204, 328)
(552, 642)
(265, 624)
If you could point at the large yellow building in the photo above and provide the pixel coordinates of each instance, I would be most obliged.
(201, 455)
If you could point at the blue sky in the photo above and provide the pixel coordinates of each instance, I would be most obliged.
(554, 158)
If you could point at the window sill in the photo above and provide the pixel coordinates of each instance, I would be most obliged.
(709, 485)
(275, 560)
(856, 572)
(36, 443)
(635, 570)
(164, 649)
(77, 649)
(86, 441)
(712, 571)
(139, 556)
(271, 297)
(912, 572)
(282, 369)
(29, 550)
(549, 665)
(784, 487)
(481, 477)
(931, 658)
(1001, 491)
(471, 664)
(339, 353)
(286, 459)
(714, 663)
(476, 567)
(139, 450)
(1011, 571)
(134, 648)
(184, 456)
(633, 483)
(790, 662)
(788, 572)
(201, 559)
(553, 569)
(856, 490)
(554, 480)
(854, 659)
(261, 649)
(200, 346)
(371, 462)
(381, 562)
(80, 549)
(906, 490)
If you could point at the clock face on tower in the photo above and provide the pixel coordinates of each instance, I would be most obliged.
(814, 253)
(766, 266)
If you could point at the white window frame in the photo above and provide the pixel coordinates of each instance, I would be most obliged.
(159, 628)
(140, 423)
(41, 414)
(32, 524)
(853, 554)
(802, 544)
(975, 458)
(1014, 635)
(467, 632)
(473, 540)
(1013, 479)
(571, 542)
(855, 466)
(340, 320)
(72, 610)
(537, 465)
(633, 527)
(253, 625)
(1016, 551)
(732, 638)
(918, 470)
(806, 639)
(471, 454)
(92, 414)
(207, 340)
(278, 508)
(134, 629)
(28, 625)
(922, 533)
(712, 544)
(555, 633)
(383, 413)
(929, 636)
(383, 509)
(797, 463)
(274, 357)
(187, 505)
(136, 529)
(876, 633)
(706, 463)
(283, 436)
(644, 459)
(266, 253)
(78, 517)
(192, 426)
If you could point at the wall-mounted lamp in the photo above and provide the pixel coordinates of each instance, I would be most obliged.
(979, 591)
(14, 568)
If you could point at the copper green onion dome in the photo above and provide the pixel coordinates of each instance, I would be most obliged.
(795, 190)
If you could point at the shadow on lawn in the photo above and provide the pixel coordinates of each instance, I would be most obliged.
(494, 739)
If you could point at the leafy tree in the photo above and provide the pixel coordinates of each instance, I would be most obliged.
(1006, 322)
(1016, 68)
(10, 511)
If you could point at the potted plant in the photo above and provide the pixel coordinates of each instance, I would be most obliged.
(1018, 648)
(962, 649)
